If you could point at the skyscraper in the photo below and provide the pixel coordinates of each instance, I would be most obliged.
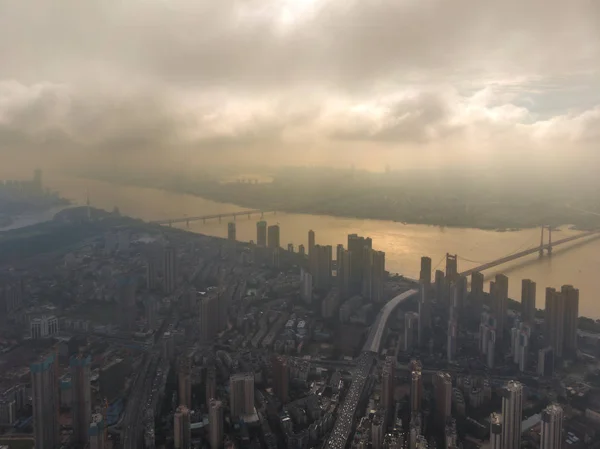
(528, 300)
(311, 242)
(477, 281)
(442, 383)
(281, 378)
(512, 415)
(496, 431)
(241, 394)
(377, 276)
(440, 287)
(451, 267)
(367, 273)
(552, 428)
(273, 236)
(388, 383)
(554, 321)
(571, 300)
(79, 366)
(45, 402)
(451, 344)
(261, 233)
(96, 432)
(499, 304)
(306, 286)
(184, 381)
(546, 362)
(231, 231)
(424, 312)
(215, 420)
(344, 262)
(416, 391)
(209, 316)
(301, 250)
(356, 244)
(322, 263)
(411, 330)
(425, 273)
(211, 385)
(181, 428)
(169, 269)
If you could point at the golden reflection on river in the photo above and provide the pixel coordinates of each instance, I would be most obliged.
(576, 263)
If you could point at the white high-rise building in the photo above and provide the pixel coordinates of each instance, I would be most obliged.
(43, 327)
(512, 415)
(495, 431)
(306, 286)
(552, 428)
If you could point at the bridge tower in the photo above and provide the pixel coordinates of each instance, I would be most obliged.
(549, 245)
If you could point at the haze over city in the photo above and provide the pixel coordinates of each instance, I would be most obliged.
(295, 224)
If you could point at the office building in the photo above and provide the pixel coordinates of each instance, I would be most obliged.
(425, 273)
(97, 432)
(440, 287)
(231, 232)
(477, 281)
(344, 263)
(546, 362)
(512, 414)
(184, 381)
(388, 385)
(367, 273)
(169, 269)
(377, 276)
(281, 378)
(416, 391)
(452, 337)
(442, 384)
(306, 286)
(311, 242)
(496, 431)
(181, 428)
(552, 436)
(411, 330)
(528, 290)
(43, 327)
(79, 366)
(322, 266)
(261, 233)
(554, 321)
(451, 267)
(210, 318)
(45, 402)
(356, 245)
(241, 394)
(571, 300)
(273, 236)
(500, 304)
(424, 312)
(211, 385)
(215, 422)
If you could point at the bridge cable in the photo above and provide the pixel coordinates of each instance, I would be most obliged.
(520, 248)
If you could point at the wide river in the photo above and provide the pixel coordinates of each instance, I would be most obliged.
(575, 263)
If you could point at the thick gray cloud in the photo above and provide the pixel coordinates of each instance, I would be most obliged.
(161, 76)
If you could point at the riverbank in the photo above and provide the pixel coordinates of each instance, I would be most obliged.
(438, 206)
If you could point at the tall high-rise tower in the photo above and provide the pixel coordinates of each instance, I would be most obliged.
(512, 415)
(311, 242)
(425, 273)
(169, 269)
(344, 262)
(45, 402)
(356, 244)
(388, 383)
(281, 378)
(211, 384)
(495, 431)
(554, 321)
(215, 421)
(273, 237)
(442, 383)
(231, 231)
(499, 304)
(185, 381)
(241, 394)
(181, 428)
(528, 289)
(82, 397)
(571, 299)
(261, 233)
(552, 428)
(416, 391)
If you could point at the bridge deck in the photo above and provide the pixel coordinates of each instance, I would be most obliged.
(208, 217)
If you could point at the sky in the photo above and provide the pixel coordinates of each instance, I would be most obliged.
(189, 83)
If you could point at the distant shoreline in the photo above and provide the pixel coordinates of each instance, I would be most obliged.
(307, 211)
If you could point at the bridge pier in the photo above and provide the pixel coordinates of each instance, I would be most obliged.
(549, 240)
(542, 243)
(262, 214)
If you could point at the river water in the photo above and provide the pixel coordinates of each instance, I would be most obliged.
(575, 263)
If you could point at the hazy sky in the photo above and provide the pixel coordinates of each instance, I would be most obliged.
(405, 82)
